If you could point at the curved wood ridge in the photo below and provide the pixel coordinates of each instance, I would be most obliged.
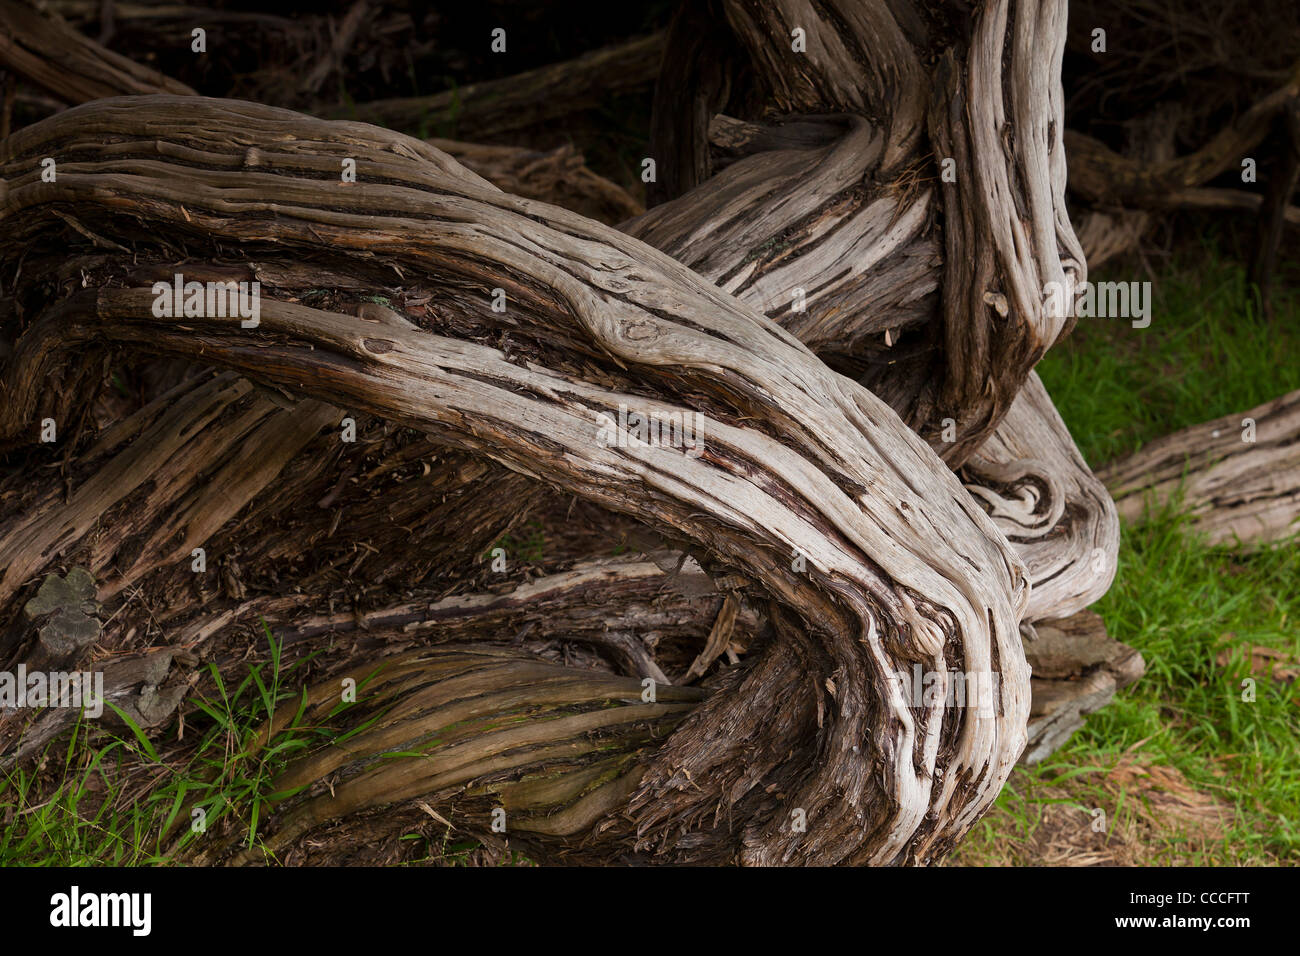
(900, 567)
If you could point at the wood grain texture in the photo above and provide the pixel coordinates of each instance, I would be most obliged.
(44, 49)
(902, 567)
(558, 176)
(1043, 496)
(929, 288)
(1233, 489)
(1077, 670)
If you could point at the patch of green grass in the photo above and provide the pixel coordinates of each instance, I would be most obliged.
(91, 816)
(529, 546)
(72, 821)
(1183, 605)
(1208, 352)
(1193, 611)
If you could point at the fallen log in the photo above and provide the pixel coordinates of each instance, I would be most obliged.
(1237, 477)
(492, 107)
(44, 49)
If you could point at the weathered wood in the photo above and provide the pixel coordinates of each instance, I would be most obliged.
(1108, 235)
(1234, 489)
(858, 208)
(554, 749)
(559, 176)
(610, 604)
(693, 84)
(44, 49)
(147, 686)
(845, 268)
(1043, 496)
(1037, 487)
(1077, 669)
(493, 107)
(241, 455)
(901, 566)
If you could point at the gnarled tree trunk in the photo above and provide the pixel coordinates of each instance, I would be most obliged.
(810, 530)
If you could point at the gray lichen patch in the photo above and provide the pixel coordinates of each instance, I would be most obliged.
(70, 606)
